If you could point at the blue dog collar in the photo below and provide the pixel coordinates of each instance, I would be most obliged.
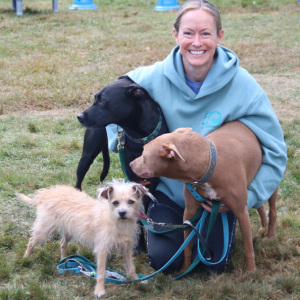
(211, 166)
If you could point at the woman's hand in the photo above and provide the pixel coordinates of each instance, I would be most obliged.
(208, 204)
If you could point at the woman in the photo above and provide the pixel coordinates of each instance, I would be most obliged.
(201, 85)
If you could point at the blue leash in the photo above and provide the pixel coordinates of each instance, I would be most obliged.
(201, 224)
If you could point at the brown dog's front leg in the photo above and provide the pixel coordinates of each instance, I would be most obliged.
(191, 207)
(244, 220)
(188, 251)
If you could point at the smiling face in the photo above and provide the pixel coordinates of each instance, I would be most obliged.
(197, 38)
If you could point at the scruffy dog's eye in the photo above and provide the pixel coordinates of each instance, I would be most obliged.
(131, 202)
(115, 203)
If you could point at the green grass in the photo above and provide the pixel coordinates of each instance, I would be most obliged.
(51, 66)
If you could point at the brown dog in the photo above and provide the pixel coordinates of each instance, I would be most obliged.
(107, 223)
(185, 155)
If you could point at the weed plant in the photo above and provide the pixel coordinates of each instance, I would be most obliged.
(51, 66)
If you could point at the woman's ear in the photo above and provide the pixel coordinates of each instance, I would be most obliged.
(175, 33)
(220, 37)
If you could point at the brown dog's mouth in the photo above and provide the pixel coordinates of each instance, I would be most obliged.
(144, 181)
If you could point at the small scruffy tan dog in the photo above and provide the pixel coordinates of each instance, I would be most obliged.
(102, 225)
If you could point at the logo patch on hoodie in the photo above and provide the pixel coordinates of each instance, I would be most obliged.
(212, 120)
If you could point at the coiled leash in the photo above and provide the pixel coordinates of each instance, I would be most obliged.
(79, 264)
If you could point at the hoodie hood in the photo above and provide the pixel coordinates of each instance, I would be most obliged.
(223, 69)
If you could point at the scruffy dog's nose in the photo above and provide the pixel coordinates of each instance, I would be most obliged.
(122, 214)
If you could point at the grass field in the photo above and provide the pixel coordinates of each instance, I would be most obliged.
(51, 65)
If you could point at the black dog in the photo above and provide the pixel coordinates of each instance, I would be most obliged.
(127, 104)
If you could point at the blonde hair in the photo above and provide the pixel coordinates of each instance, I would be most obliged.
(199, 4)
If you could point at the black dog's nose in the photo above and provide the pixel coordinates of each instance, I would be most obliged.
(80, 117)
(122, 214)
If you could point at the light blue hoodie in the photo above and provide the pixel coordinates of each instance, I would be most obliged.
(228, 93)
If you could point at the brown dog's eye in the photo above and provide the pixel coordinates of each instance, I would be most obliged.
(115, 203)
(131, 202)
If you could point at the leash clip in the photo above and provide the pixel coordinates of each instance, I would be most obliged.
(114, 275)
(149, 225)
(87, 273)
(119, 138)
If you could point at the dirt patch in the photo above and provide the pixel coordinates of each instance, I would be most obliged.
(53, 112)
(282, 90)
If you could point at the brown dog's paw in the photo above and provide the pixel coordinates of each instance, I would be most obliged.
(183, 268)
(269, 235)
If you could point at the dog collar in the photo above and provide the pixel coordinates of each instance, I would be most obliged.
(211, 166)
(153, 135)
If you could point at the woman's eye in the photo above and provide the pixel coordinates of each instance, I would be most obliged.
(206, 35)
(188, 34)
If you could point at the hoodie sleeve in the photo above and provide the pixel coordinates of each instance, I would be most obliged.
(262, 120)
(112, 134)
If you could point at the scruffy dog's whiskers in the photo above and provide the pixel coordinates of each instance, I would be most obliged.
(103, 225)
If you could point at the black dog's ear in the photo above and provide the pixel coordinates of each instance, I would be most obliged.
(134, 90)
(126, 77)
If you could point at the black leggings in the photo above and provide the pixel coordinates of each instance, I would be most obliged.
(161, 247)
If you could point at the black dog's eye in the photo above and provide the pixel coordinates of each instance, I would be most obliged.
(99, 99)
(131, 202)
(115, 203)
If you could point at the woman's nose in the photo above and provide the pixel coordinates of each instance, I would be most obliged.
(197, 40)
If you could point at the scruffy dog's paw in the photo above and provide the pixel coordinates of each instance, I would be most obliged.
(99, 294)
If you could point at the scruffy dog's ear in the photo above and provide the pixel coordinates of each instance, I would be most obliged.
(105, 192)
(142, 190)
(134, 91)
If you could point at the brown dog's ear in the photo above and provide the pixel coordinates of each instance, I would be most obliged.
(106, 192)
(169, 150)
